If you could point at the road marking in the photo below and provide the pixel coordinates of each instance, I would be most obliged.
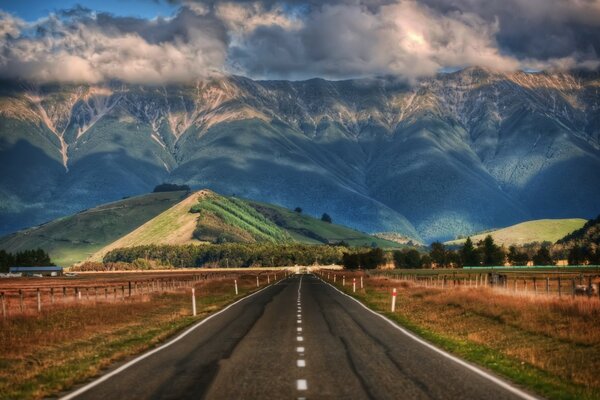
(301, 363)
(299, 329)
(300, 349)
(301, 384)
(473, 368)
(122, 368)
(299, 321)
(299, 338)
(299, 316)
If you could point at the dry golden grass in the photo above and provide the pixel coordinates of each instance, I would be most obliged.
(555, 338)
(46, 353)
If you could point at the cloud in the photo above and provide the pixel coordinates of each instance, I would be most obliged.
(81, 46)
(342, 41)
(302, 39)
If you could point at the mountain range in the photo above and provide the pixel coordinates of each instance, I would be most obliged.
(431, 160)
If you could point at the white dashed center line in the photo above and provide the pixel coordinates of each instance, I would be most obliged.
(301, 363)
(300, 349)
(299, 329)
(301, 384)
(299, 338)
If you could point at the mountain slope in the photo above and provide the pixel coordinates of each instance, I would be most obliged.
(450, 155)
(75, 238)
(543, 230)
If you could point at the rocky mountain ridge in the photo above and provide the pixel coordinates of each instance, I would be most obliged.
(449, 155)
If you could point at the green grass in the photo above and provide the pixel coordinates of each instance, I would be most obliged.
(542, 230)
(238, 214)
(72, 239)
(306, 229)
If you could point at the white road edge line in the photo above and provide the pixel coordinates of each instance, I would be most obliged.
(478, 371)
(123, 367)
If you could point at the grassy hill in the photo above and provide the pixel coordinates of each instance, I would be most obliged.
(208, 217)
(541, 230)
(306, 229)
(75, 238)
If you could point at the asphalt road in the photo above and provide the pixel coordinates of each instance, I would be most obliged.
(299, 338)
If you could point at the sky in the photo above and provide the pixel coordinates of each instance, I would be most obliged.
(170, 41)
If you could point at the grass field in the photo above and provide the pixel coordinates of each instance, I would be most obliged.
(306, 229)
(546, 344)
(73, 239)
(46, 353)
(542, 230)
(235, 220)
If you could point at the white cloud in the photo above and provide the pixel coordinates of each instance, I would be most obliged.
(84, 52)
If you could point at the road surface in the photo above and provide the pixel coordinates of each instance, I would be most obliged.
(299, 338)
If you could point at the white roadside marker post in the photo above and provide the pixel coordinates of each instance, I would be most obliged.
(194, 302)
(257, 283)
(354, 285)
(394, 300)
(236, 288)
(344, 280)
(268, 279)
(361, 282)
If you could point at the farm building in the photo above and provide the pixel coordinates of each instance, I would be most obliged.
(46, 271)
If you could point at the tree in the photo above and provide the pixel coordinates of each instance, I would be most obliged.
(577, 255)
(438, 254)
(426, 261)
(492, 254)
(298, 210)
(407, 258)
(413, 259)
(453, 259)
(468, 254)
(326, 218)
(516, 257)
(543, 257)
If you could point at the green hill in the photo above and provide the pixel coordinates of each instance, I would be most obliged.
(73, 239)
(542, 230)
(208, 217)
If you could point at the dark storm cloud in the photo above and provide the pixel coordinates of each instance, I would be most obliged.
(537, 29)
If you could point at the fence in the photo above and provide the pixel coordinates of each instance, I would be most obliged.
(32, 298)
(560, 284)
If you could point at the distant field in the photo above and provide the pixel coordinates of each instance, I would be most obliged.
(542, 230)
(75, 238)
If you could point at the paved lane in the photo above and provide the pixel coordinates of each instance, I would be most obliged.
(300, 338)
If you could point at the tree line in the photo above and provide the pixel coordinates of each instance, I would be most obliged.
(25, 258)
(226, 255)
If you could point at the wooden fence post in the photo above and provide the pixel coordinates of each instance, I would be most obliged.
(129, 288)
(547, 285)
(39, 300)
(52, 295)
(559, 287)
(573, 287)
(21, 305)
(3, 305)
